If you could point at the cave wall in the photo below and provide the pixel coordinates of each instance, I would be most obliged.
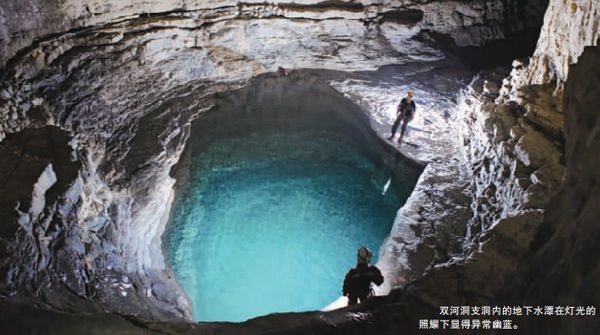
(511, 139)
(516, 135)
(541, 255)
(472, 23)
(492, 199)
(121, 82)
(568, 27)
(562, 267)
(527, 145)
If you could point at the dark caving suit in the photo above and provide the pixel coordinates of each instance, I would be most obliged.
(404, 113)
(357, 284)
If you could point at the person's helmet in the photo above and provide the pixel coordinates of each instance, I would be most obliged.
(409, 94)
(364, 255)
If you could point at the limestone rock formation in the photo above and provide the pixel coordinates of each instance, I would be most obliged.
(96, 101)
(561, 270)
(569, 26)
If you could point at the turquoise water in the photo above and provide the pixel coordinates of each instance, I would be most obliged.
(270, 219)
(275, 229)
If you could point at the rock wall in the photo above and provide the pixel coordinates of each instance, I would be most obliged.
(489, 194)
(511, 167)
(513, 149)
(471, 23)
(117, 84)
(529, 240)
(568, 27)
(541, 252)
(117, 93)
(562, 267)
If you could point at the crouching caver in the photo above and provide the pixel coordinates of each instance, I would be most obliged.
(358, 281)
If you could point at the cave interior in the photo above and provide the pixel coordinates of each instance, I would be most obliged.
(99, 102)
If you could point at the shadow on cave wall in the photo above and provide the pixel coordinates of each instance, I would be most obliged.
(492, 54)
(562, 268)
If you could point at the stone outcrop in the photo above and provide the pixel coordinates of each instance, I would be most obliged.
(513, 149)
(562, 269)
(569, 26)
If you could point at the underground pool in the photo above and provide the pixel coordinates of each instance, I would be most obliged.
(278, 188)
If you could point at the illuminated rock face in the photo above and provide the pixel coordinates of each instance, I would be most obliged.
(331, 29)
(569, 26)
(114, 99)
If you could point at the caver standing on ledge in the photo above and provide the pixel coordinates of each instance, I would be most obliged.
(404, 113)
(357, 284)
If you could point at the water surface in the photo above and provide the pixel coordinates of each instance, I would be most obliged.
(276, 203)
